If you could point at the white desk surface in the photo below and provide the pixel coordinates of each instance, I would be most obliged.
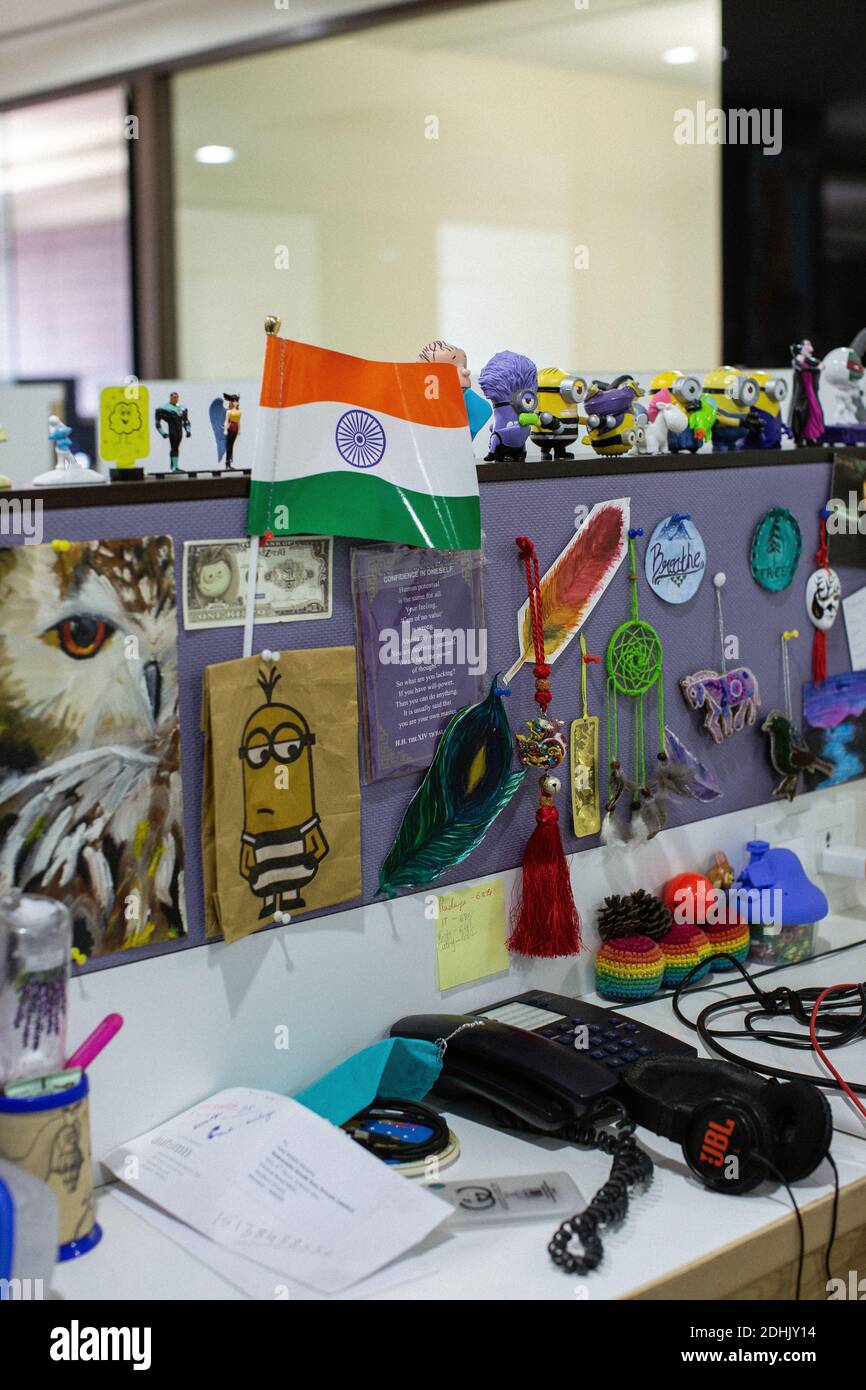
(675, 1223)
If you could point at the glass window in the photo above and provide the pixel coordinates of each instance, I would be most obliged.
(64, 242)
(500, 175)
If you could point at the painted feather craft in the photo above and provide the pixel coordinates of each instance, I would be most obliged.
(576, 580)
(467, 785)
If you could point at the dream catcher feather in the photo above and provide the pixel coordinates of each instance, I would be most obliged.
(634, 663)
(467, 785)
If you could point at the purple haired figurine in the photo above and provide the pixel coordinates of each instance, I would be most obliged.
(510, 383)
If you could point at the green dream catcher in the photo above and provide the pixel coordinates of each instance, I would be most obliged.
(635, 664)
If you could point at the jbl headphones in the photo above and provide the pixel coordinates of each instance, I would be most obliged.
(735, 1127)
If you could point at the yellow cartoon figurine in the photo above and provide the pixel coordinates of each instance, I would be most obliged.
(613, 424)
(734, 394)
(559, 397)
(282, 843)
(764, 424)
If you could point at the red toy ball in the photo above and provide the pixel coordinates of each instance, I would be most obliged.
(688, 896)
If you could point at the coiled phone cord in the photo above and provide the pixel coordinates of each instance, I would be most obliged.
(631, 1165)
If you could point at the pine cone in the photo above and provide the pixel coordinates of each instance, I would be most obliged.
(655, 919)
(633, 914)
(616, 919)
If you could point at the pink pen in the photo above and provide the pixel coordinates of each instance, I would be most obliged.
(95, 1041)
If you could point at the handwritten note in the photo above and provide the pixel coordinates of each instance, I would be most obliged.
(470, 934)
(854, 608)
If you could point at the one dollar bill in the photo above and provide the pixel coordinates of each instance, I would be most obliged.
(293, 580)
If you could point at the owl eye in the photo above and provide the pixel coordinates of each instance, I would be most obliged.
(82, 637)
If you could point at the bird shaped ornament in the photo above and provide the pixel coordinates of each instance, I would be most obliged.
(789, 754)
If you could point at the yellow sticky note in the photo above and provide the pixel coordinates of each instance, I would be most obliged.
(470, 934)
(124, 424)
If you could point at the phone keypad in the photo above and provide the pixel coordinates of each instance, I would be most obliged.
(613, 1044)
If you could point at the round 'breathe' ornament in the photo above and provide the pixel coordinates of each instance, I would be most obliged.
(775, 552)
(675, 559)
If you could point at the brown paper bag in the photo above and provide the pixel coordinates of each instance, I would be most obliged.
(281, 800)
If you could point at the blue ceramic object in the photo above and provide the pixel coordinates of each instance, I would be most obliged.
(801, 900)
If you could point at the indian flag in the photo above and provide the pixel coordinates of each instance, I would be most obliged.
(347, 447)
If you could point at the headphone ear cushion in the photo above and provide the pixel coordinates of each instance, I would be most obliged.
(802, 1126)
(724, 1140)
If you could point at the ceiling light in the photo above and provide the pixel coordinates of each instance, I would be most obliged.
(680, 55)
(215, 154)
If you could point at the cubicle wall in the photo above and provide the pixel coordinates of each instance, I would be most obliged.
(724, 499)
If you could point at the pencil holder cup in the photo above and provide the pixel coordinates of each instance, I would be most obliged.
(49, 1136)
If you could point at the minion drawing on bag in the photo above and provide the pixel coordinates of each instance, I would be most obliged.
(282, 843)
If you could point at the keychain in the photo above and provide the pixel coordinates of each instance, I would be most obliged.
(823, 596)
(544, 921)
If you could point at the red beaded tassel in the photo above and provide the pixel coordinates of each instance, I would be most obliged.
(819, 641)
(544, 919)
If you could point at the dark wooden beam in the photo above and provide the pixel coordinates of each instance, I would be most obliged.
(151, 187)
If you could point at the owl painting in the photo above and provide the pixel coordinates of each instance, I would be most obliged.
(90, 785)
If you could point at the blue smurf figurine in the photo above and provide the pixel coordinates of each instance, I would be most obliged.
(510, 383)
(60, 436)
(67, 468)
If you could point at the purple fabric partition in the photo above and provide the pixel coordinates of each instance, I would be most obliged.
(725, 503)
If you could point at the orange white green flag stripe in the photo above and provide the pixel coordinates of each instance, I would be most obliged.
(348, 447)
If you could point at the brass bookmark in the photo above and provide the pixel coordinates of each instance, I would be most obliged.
(585, 808)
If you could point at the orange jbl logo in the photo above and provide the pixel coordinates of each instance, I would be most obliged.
(715, 1142)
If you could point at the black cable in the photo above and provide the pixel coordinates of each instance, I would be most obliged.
(777, 1003)
(401, 1112)
(631, 1165)
(780, 1177)
(835, 1213)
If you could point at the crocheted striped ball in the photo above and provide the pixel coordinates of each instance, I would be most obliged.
(732, 937)
(684, 947)
(629, 967)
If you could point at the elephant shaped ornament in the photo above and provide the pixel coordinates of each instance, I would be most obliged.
(730, 699)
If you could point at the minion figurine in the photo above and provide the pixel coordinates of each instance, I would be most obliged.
(282, 843)
(764, 424)
(560, 396)
(614, 426)
(685, 390)
(734, 393)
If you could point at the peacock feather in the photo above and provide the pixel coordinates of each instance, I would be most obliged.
(468, 783)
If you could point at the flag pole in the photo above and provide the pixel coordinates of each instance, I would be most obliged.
(272, 325)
